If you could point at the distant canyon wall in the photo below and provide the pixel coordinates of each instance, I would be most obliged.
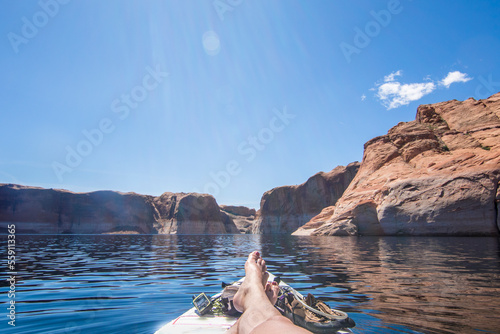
(51, 211)
(285, 209)
(191, 214)
(242, 216)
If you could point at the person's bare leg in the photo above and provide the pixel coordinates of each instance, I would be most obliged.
(259, 315)
(272, 291)
(253, 287)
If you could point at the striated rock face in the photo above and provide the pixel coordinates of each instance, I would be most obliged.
(50, 211)
(285, 209)
(437, 175)
(191, 214)
(242, 217)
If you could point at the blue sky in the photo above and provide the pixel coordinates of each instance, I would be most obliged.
(230, 97)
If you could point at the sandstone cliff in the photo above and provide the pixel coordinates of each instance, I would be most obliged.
(284, 209)
(242, 217)
(191, 214)
(316, 221)
(51, 211)
(436, 175)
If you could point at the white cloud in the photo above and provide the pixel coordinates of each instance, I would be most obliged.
(390, 77)
(363, 97)
(393, 94)
(453, 77)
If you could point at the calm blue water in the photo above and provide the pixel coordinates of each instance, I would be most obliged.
(136, 283)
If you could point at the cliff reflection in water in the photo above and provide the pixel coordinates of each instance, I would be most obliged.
(436, 285)
(135, 283)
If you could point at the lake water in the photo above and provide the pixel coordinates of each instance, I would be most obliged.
(136, 283)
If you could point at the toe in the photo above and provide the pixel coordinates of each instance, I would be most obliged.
(254, 256)
(262, 264)
(275, 289)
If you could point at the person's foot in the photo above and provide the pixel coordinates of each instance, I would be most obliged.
(255, 281)
(272, 290)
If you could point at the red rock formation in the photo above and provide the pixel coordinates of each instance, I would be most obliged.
(242, 217)
(51, 211)
(238, 210)
(316, 221)
(437, 175)
(191, 214)
(285, 209)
